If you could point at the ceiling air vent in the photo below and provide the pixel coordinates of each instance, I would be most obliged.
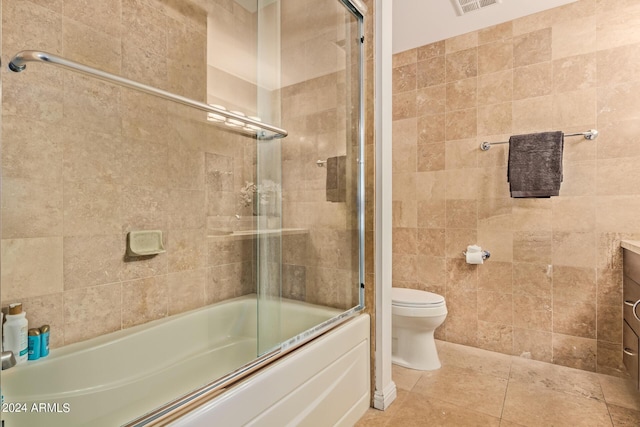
(466, 6)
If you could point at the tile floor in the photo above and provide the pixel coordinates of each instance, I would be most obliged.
(481, 388)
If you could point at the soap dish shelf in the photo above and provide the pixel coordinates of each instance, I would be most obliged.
(145, 243)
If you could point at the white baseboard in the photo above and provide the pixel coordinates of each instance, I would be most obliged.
(382, 399)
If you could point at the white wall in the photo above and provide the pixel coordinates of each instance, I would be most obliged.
(420, 22)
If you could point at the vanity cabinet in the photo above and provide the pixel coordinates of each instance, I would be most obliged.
(631, 324)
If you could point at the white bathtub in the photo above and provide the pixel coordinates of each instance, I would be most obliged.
(113, 379)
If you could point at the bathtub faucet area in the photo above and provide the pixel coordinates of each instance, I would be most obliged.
(8, 360)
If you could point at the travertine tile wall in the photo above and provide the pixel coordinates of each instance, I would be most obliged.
(84, 162)
(552, 289)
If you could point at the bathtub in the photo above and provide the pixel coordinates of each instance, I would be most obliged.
(116, 378)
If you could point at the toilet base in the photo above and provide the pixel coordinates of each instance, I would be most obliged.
(415, 350)
(433, 366)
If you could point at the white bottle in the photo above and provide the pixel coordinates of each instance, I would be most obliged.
(15, 333)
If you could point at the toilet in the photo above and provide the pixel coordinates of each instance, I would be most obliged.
(415, 315)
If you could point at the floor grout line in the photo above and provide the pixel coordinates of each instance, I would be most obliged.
(604, 399)
(506, 390)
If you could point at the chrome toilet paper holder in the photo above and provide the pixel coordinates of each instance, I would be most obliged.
(485, 254)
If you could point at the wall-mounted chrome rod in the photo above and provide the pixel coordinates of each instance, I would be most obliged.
(590, 135)
(19, 62)
(321, 163)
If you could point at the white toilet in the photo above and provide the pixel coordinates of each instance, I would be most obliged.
(415, 315)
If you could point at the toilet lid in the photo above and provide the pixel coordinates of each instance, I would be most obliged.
(415, 298)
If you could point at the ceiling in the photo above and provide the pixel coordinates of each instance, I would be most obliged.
(420, 22)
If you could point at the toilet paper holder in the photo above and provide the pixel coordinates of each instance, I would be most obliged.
(485, 254)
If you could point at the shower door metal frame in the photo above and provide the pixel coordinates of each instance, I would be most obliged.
(359, 10)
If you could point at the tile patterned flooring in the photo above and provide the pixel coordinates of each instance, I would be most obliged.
(476, 387)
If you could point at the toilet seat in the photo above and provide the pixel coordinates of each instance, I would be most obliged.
(413, 298)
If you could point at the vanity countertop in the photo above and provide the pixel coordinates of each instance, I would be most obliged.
(632, 245)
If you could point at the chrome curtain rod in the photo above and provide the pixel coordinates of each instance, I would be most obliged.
(19, 63)
(590, 134)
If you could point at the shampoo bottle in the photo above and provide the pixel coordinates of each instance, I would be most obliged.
(34, 344)
(15, 333)
(44, 340)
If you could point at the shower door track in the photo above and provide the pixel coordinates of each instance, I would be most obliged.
(18, 64)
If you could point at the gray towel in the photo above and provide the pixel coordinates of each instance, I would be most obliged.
(336, 179)
(535, 164)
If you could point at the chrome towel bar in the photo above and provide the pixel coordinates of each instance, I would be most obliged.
(19, 62)
(590, 135)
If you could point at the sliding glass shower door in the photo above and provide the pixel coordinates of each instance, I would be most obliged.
(309, 245)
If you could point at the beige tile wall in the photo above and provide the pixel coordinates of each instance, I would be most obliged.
(84, 162)
(552, 288)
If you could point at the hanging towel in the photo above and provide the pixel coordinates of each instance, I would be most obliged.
(336, 177)
(535, 164)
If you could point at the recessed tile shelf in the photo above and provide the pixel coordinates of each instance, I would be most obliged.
(632, 245)
(250, 234)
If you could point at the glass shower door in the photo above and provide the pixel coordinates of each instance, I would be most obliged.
(310, 241)
(268, 242)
